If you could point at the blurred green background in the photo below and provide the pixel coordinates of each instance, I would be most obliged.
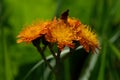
(16, 60)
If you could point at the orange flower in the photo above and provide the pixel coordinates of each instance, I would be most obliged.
(61, 34)
(32, 32)
(87, 38)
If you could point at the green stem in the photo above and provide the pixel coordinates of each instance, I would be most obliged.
(51, 50)
(58, 62)
(41, 51)
(58, 67)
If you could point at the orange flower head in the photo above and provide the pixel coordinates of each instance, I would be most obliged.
(87, 38)
(32, 32)
(61, 34)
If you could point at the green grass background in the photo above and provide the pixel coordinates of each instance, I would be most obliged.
(16, 60)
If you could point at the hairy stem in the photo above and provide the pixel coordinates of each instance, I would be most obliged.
(58, 67)
(51, 50)
(41, 51)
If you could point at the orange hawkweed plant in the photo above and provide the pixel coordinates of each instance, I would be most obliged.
(64, 31)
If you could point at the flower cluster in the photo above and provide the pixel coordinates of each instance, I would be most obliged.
(63, 31)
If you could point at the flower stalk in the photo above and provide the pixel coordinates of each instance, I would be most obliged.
(41, 52)
(58, 67)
